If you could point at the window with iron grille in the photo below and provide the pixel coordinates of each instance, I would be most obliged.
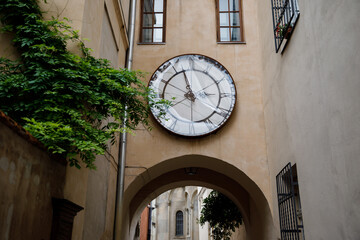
(179, 223)
(229, 21)
(285, 15)
(290, 216)
(153, 20)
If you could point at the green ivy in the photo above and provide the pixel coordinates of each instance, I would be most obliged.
(73, 104)
(222, 215)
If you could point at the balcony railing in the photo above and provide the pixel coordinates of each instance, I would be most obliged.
(285, 15)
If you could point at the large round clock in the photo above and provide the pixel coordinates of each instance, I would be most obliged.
(201, 91)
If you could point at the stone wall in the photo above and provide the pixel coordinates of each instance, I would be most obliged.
(29, 179)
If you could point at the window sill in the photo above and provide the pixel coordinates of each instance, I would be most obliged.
(151, 43)
(231, 42)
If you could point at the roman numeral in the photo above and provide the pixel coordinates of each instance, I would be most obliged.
(219, 81)
(210, 125)
(191, 63)
(191, 128)
(163, 68)
(208, 67)
(223, 95)
(172, 126)
(222, 112)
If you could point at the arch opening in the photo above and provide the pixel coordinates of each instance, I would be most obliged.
(176, 213)
(210, 173)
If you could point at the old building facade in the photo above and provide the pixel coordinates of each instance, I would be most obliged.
(175, 214)
(299, 105)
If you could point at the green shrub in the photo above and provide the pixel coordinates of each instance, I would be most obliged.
(73, 104)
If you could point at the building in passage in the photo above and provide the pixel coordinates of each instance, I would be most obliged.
(266, 109)
(175, 214)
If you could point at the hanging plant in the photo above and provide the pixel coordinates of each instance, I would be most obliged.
(73, 104)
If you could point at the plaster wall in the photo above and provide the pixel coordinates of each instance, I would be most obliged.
(104, 24)
(29, 180)
(107, 18)
(101, 190)
(312, 112)
(191, 28)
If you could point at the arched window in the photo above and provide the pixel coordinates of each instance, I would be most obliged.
(179, 223)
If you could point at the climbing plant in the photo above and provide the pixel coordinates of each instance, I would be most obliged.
(73, 104)
(222, 215)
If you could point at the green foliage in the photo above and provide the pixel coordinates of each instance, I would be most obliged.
(73, 104)
(222, 214)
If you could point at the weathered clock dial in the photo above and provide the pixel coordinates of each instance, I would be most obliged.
(201, 91)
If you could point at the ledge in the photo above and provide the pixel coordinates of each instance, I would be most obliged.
(19, 130)
(231, 42)
(153, 43)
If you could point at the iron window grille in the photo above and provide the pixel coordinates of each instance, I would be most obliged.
(290, 216)
(285, 15)
(179, 231)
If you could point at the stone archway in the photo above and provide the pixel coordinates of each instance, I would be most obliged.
(212, 173)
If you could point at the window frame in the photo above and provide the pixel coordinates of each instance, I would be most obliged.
(177, 221)
(142, 13)
(289, 204)
(218, 27)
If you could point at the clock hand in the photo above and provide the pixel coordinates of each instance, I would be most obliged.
(207, 86)
(176, 87)
(190, 95)
(191, 115)
(179, 102)
(207, 104)
(187, 82)
(202, 94)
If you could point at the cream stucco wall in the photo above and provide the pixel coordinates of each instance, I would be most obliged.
(301, 106)
(104, 24)
(312, 112)
(191, 28)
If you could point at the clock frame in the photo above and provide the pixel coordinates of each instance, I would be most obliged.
(202, 94)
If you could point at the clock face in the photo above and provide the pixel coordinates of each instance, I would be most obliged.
(201, 91)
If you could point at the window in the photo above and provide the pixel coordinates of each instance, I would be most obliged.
(285, 16)
(229, 21)
(290, 216)
(153, 21)
(179, 231)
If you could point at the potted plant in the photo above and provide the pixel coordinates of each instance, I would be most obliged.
(283, 31)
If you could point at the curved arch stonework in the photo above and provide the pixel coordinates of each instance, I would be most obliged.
(210, 172)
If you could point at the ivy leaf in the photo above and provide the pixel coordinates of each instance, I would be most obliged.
(73, 104)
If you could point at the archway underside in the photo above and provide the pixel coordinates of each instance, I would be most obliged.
(250, 200)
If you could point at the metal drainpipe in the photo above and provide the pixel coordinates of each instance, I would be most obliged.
(122, 143)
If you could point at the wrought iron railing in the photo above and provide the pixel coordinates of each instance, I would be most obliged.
(285, 15)
(291, 227)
